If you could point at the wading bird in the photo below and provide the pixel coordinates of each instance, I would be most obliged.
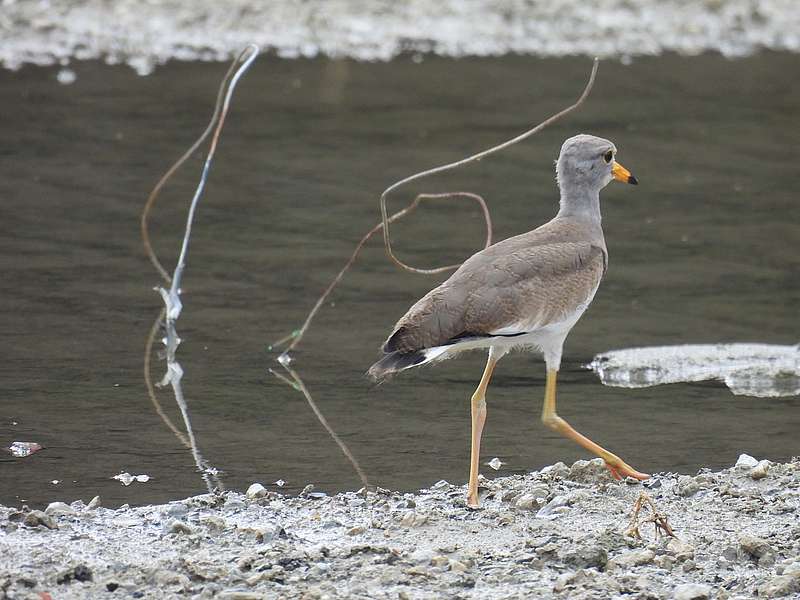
(527, 292)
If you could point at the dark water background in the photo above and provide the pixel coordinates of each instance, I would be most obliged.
(704, 250)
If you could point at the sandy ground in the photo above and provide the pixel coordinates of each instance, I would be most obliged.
(565, 532)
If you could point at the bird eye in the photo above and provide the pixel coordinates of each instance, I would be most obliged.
(608, 156)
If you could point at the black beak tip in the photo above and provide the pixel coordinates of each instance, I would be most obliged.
(632, 180)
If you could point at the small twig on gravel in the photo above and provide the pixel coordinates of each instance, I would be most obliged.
(659, 520)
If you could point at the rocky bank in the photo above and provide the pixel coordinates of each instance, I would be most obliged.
(562, 532)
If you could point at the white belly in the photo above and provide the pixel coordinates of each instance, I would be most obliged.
(549, 338)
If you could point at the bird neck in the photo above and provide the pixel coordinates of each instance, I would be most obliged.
(580, 203)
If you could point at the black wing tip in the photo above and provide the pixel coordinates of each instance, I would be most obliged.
(393, 362)
(391, 344)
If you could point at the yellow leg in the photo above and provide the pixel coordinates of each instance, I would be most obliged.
(478, 420)
(617, 466)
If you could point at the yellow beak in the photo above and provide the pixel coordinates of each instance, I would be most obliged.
(620, 173)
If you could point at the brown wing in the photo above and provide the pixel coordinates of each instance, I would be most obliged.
(508, 285)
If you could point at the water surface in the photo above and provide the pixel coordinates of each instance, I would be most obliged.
(702, 251)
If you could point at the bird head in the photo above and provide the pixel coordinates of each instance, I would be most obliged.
(589, 162)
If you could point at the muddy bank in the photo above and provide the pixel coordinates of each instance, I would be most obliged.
(563, 531)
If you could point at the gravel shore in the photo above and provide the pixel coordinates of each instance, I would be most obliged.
(566, 532)
(147, 34)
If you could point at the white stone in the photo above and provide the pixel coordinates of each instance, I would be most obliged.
(55, 509)
(256, 490)
(692, 591)
(746, 461)
(760, 470)
(495, 463)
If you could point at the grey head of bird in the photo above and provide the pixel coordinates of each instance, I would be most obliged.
(587, 164)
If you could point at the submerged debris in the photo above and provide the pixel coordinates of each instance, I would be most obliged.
(23, 449)
(761, 370)
(127, 479)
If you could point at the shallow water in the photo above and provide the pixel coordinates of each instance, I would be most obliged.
(703, 251)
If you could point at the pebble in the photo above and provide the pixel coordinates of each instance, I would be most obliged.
(757, 548)
(730, 553)
(692, 591)
(234, 504)
(745, 462)
(261, 534)
(665, 561)
(35, 518)
(55, 509)
(177, 510)
(559, 469)
(177, 526)
(791, 566)
(413, 519)
(166, 578)
(634, 558)
(780, 587)
(256, 490)
(527, 501)
(80, 573)
(680, 549)
(562, 582)
(687, 486)
(357, 530)
(271, 574)
(589, 471)
(457, 566)
(761, 470)
(421, 556)
(239, 595)
(553, 508)
(213, 522)
(440, 561)
(587, 556)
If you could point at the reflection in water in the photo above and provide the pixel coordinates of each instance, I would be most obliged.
(172, 303)
(761, 370)
(293, 339)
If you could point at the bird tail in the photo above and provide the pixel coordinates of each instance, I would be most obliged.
(393, 362)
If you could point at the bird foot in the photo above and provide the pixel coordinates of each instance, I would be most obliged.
(473, 504)
(474, 498)
(623, 470)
